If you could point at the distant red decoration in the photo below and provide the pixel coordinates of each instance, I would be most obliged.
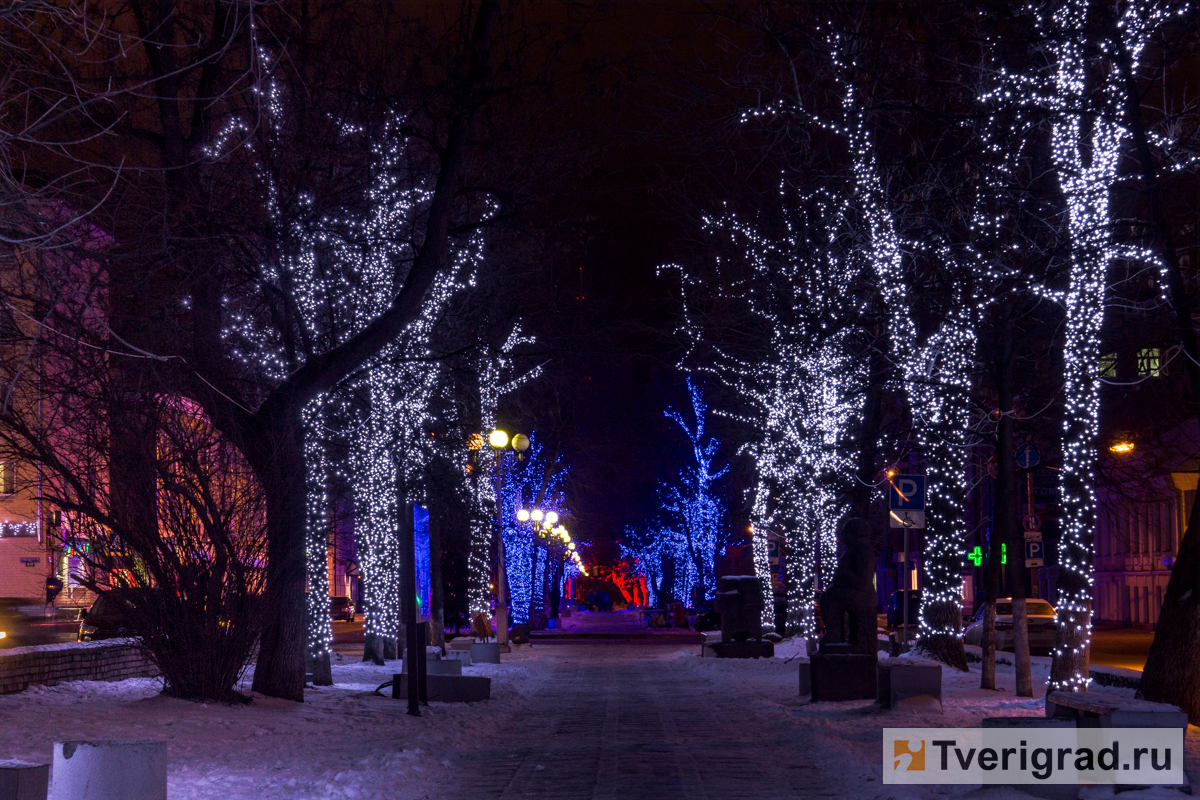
(632, 585)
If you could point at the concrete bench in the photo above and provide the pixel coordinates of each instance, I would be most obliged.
(463, 656)
(900, 679)
(1048, 791)
(838, 677)
(485, 652)
(23, 781)
(1099, 710)
(109, 770)
(446, 688)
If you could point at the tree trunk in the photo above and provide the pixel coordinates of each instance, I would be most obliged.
(1172, 673)
(868, 438)
(555, 592)
(279, 462)
(1005, 523)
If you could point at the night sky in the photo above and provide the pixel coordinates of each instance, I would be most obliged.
(631, 207)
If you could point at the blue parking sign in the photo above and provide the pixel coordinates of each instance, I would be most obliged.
(907, 493)
(1035, 553)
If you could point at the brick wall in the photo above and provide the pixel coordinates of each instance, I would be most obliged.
(49, 664)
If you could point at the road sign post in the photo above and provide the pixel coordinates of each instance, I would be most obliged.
(1035, 553)
(906, 509)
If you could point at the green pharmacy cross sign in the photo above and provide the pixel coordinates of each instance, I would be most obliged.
(976, 555)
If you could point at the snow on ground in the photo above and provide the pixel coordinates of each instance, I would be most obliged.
(850, 736)
(343, 741)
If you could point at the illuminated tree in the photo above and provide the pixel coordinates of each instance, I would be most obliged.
(691, 504)
(537, 482)
(645, 549)
(1086, 109)
(497, 375)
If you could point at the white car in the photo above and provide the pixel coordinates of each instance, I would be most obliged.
(1043, 622)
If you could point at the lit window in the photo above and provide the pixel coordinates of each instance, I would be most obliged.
(7, 478)
(1150, 362)
(1108, 365)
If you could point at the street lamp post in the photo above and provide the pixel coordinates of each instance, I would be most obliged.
(499, 441)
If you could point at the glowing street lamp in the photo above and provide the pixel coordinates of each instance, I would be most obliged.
(551, 517)
(523, 515)
(498, 439)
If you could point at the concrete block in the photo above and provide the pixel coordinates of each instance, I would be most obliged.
(463, 656)
(805, 677)
(485, 652)
(1049, 791)
(22, 781)
(447, 688)
(899, 680)
(462, 643)
(109, 770)
(747, 649)
(838, 677)
(447, 667)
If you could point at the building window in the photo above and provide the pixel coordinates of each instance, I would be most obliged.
(1108, 365)
(9, 332)
(1149, 362)
(8, 478)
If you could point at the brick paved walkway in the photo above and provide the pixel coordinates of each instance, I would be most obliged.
(616, 723)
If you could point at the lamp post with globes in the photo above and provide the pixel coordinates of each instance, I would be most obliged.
(502, 446)
(557, 540)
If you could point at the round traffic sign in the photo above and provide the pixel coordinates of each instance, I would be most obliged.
(1032, 522)
(1027, 456)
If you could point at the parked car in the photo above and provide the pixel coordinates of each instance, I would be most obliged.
(1043, 623)
(105, 619)
(895, 608)
(342, 608)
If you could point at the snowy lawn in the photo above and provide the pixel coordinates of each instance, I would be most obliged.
(847, 737)
(343, 741)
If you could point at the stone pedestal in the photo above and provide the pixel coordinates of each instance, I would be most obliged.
(739, 601)
(21, 781)
(485, 652)
(805, 677)
(843, 676)
(109, 770)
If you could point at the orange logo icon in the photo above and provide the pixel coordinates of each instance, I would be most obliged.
(905, 757)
